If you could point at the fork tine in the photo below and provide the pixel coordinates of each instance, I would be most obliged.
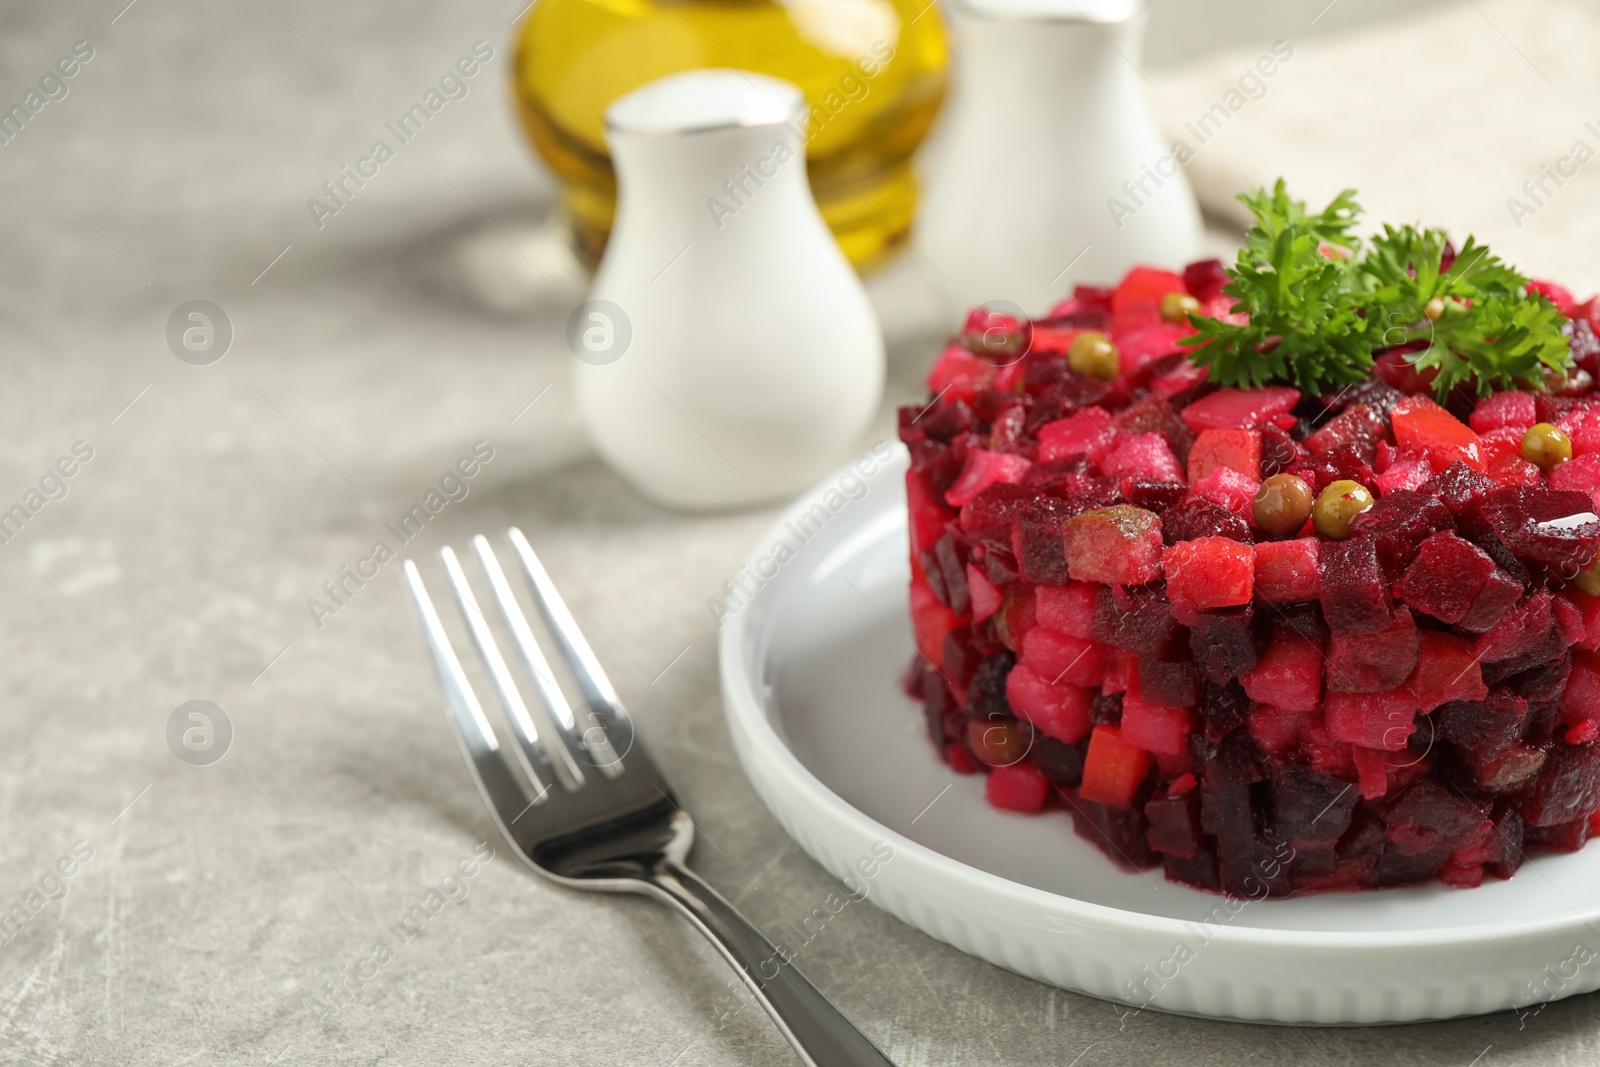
(558, 718)
(593, 685)
(530, 751)
(479, 746)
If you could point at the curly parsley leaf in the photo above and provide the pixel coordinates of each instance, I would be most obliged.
(1320, 305)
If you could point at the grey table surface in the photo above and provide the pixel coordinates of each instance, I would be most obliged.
(218, 904)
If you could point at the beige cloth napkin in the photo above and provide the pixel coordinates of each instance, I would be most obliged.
(1438, 119)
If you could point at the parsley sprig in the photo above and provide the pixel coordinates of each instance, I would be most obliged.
(1321, 304)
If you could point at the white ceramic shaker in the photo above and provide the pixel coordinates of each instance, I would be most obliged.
(1052, 169)
(728, 354)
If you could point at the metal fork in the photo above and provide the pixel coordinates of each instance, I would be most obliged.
(601, 816)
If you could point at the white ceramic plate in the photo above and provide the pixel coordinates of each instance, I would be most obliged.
(810, 670)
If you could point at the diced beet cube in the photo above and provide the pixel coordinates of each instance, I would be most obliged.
(1305, 809)
(1238, 450)
(1374, 767)
(984, 596)
(1406, 471)
(1429, 817)
(1492, 602)
(1582, 425)
(1113, 769)
(958, 374)
(1141, 347)
(1195, 517)
(1240, 409)
(986, 693)
(1521, 629)
(1589, 607)
(1174, 684)
(1174, 822)
(1205, 278)
(1355, 591)
(1581, 699)
(1117, 830)
(1017, 787)
(1059, 710)
(1119, 545)
(1084, 433)
(983, 469)
(1040, 553)
(1512, 408)
(1457, 486)
(931, 621)
(1138, 620)
(946, 571)
(1234, 491)
(1288, 674)
(1373, 720)
(1399, 523)
(1278, 730)
(1068, 609)
(1446, 671)
(1446, 577)
(1058, 761)
(1558, 529)
(992, 515)
(1063, 658)
(1204, 575)
(1223, 643)
(1152, 496)
(1287, 572)
(1154, 414)
(1420, 425)
(1374, 662)
(1357, 426)
(1152, 727)
(1568, 788)
(1580, 474)
(1145, 455)
(927, 517)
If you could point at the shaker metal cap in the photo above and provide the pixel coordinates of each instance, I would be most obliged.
(700, 101)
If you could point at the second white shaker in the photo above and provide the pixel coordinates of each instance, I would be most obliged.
(1052, 169)
(729, 354)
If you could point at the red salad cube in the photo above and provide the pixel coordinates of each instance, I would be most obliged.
(1119, 545)
(1112, 769)
(931, 621)
(1407, 471)
(1240, 409)
(1288, 676)
(984, 468)
(1287, 572)
(1420, 425)
(1234, 491)
(1204, 575)
(1145, 455)
(1374, 662)
(1581, 698)
(1372, 720)
(1153, 727)
(981, 594)
(1580, 474)
(1063, 658)
(1068, 608)
(1238, 450)
(1085, 433)
(1508, 409)
(1060, 709)
(1017, 787)
(959, 374)
(1446, 670)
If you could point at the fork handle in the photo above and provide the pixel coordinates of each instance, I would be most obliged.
(819, 1032)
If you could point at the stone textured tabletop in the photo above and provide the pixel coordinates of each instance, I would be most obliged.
(164, 912)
